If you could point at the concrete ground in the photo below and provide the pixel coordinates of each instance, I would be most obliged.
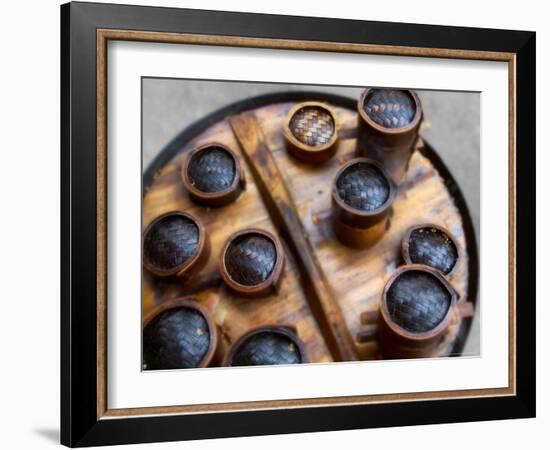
(170, 105)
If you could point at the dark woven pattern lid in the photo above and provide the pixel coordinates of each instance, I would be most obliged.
(266, 348)
(312, 126)
(171, 241)
(390, 108)
(250, 259)
(362, 186)
(433, 248)
(178, 338)
(211, 169)
(417, 301)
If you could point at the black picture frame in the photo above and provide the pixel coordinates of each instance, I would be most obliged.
(80, 425)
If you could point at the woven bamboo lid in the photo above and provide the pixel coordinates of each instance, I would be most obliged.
(310, 131)
(252, 261)
(212, 174)
(212, 169)
(431, 245)
(390, 108)
(312, 125)
(418, 301)
(173, 243)
(266, 346)
(177, 338)
(363, 186)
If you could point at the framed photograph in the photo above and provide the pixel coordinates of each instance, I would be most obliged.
(276, 224)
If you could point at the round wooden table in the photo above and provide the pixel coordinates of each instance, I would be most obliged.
(325, 285)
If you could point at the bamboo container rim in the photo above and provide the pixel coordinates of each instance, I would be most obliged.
(426, 335)
(411, 126)
(286, 330)
(405, 243)
(238, 179)
(359, 212)
(273, 277)
(304, 148)
(183, 267)
(190, 303)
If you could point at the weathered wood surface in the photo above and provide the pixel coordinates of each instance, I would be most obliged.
(283, 210)
(346, 282)
(234, 315)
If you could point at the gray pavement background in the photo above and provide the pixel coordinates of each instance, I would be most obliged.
(170, 105)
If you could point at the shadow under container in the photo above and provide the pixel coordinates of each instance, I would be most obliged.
(431, 245)
(212, 175)
(388, 123)
(416, 310)
(175, 244)
(362, 196)
(180, 334)
(267, 345)
(310, 131)
(251, 262)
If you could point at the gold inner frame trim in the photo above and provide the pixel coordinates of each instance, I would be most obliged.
(103, 36)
